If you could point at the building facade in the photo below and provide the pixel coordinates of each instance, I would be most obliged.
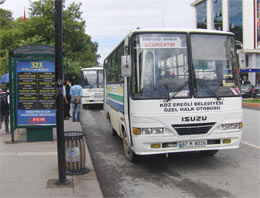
(242, 17)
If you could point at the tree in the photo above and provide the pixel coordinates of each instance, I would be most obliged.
(39, 28)
(5, 17)
(6, 23)
(79, 50)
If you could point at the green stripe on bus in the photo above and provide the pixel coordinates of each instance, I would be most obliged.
(116, 97)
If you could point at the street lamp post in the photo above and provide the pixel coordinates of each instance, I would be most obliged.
(59, 101)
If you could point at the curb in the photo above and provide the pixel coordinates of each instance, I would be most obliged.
(251, 105)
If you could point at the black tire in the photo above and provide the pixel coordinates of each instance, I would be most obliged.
(113, 131)
(84, 106)
(128, 152)
(208, 153)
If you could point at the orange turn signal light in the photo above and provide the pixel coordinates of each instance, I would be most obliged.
(136, 131)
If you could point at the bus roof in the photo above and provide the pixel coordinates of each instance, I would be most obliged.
(165, 30)
(91, 68)
(170, 30)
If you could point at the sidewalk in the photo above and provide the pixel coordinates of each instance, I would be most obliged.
(251, 105)
(27, 167)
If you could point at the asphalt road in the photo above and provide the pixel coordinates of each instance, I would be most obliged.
(230, 173)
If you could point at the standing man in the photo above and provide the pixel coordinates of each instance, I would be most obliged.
(68, 97)
(76, 94)
(4, 109)
(65, 100)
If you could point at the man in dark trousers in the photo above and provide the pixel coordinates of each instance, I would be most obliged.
(68, 97)
(4, 109)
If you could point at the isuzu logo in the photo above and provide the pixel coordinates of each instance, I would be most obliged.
(194, 118)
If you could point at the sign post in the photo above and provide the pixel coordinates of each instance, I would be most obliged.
(59, 101)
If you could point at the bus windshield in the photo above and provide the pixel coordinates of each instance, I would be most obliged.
(161, 66)
(215, 66)
(161, 69)
(93, 78)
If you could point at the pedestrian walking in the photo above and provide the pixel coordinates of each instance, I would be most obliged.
(4, 109)
(68, 97)
(76, 94)
(65, 101)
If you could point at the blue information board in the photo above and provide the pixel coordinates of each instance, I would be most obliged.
(36, 93)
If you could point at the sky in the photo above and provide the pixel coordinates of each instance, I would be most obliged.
(108, 21)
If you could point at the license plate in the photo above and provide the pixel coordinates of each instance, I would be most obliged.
(193, 143)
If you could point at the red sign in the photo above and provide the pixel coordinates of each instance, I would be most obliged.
(37, 120)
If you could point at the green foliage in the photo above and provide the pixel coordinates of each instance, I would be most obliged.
(5, 17)
(255, 100)
(39, 28)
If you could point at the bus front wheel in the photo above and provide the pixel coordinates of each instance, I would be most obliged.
(128, 152)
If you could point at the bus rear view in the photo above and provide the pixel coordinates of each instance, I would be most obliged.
(181, 93)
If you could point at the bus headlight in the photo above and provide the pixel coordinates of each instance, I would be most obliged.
(152, 131)
(157, 131)
(147, 131)
(232, 126)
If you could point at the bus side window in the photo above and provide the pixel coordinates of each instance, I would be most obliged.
(120, 53)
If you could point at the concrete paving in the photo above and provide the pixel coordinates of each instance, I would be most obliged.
(26, 168)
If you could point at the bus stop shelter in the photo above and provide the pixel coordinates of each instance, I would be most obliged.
(32, 91)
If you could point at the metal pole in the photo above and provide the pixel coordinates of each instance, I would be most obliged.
(11, 95)
(59, 89)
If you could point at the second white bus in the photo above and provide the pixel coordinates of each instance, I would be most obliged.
(92, 86)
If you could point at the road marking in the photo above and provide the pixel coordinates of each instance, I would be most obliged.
(28, 154)
(255, 146)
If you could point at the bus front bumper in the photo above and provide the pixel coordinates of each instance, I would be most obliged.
(149, 145)
(92, 101)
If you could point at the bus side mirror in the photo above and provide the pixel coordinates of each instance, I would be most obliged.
(126, 66)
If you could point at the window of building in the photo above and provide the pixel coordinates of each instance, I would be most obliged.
(247, 60)
(201, 10)
(257, 61)
(235, 18)
(218, 15)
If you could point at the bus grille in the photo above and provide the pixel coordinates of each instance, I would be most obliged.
(193, 129)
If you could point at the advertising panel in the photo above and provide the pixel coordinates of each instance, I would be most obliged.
(36, 93)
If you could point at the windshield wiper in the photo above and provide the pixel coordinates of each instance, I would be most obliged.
(208, 89)
(176, 91)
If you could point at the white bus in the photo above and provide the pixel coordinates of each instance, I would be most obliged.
(92, 84)
(170, 91)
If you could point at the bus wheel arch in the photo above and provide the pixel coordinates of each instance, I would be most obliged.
(122, 131)
(112, 130)
(128, 152)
